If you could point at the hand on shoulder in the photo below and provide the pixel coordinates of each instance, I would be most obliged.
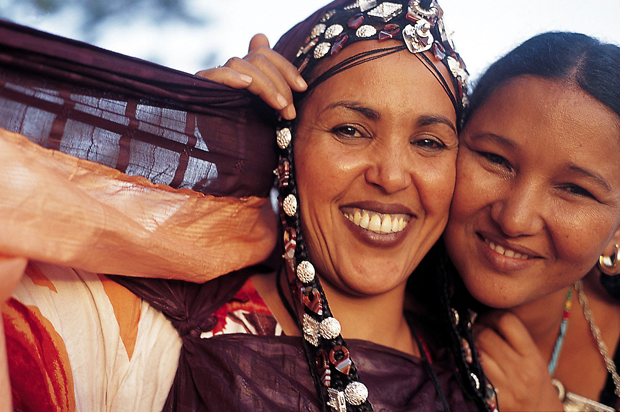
(263, 72)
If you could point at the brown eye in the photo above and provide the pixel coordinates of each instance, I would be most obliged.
(578, 190)
(348, 132)
(496, 159)
(428, 143)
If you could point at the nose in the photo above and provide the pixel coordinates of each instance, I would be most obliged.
(518, 210)
(389, 169)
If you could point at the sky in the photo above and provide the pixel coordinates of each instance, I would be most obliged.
(483, 29)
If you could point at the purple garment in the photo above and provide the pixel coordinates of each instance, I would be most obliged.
(142, 119)
(260, 373)
(241, 372)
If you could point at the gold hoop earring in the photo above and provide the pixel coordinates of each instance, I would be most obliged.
(610, 265)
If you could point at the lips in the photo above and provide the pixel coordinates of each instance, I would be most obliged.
(382, 223)
(505, 251)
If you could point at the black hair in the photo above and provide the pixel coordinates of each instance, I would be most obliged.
(562, 56)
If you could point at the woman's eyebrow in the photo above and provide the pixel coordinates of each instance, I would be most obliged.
(363, 110)
(492, 137)
(587, 173)
(427, 120)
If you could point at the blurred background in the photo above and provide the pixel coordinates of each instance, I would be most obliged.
(190, 35)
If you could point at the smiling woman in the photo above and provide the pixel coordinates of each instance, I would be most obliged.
(366, 174)
(536, 205)
(358, 152)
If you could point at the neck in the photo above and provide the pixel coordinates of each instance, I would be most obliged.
(543, 317)
(378, 319)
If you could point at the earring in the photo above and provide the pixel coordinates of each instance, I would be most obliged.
(610, 265)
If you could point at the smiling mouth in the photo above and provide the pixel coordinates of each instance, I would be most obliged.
(506, 252)
(377, 222)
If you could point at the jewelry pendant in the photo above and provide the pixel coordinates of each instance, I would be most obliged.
(337, 400)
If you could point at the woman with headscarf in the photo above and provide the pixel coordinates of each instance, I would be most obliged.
(365, 173)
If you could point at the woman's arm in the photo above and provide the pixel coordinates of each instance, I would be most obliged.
(11, 271)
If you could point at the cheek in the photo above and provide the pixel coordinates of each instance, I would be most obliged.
(435, 185)
(471, 191)
(580, 236)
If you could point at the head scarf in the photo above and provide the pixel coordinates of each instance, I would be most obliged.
(418, 24)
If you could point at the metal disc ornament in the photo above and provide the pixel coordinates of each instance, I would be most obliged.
(305, 272)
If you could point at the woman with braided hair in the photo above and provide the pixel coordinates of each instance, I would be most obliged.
(365, 172)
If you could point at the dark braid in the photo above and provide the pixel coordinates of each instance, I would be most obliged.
(447, 294)
(459, 317)
(326, 346)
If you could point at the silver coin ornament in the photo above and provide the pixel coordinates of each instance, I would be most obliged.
(289, 205)
(356, 393)
(284, 137)
(333, 31)
(322, 49)
(386, 11)
(311, 329)
(330, 328)
(305, 272)
(366, 31)
(317, 30)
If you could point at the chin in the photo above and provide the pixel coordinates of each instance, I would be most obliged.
(489, 294)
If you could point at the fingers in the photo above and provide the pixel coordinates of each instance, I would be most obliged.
(258, 40)
(268, 81)
(511, 329)
(263, 72)
(226, 76)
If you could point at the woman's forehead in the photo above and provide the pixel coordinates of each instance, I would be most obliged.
(397, 80)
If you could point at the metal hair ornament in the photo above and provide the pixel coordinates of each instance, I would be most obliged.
(420, 29)
(335, 373)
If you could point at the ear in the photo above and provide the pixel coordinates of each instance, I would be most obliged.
(615, 240)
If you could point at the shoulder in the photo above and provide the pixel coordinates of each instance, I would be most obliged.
(77, 338)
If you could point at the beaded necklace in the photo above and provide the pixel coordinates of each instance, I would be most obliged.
(553, 363)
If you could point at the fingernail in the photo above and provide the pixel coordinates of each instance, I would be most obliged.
(245, 79)
(281, 101)
(301, 83)
(288, 112)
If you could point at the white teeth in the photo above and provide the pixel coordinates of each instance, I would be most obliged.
(386, 224)
(505, 252)
(357, 217)
(376, 222)
(396, 225)
(365, 221)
